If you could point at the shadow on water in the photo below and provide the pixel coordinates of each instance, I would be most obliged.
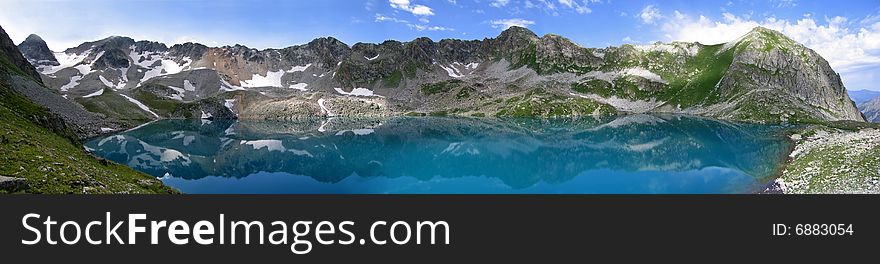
(625, 154)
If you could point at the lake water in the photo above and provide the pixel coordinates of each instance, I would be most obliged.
(415, 155)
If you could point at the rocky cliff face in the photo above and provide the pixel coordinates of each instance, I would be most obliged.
(13, 59)
(37, 52)
(773, 72)
(761, 77)
(23, 92)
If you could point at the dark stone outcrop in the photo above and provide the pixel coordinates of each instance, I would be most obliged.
(35, 49)
(13, 55)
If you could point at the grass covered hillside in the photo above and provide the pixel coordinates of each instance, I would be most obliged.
(39, 152)
(54, 164)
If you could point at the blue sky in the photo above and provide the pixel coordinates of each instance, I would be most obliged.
(847, 33)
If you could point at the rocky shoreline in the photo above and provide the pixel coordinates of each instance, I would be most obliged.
(831, 161)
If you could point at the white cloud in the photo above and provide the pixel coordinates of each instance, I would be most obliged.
(418, 27)
(650, 14)
(429, 28)
(507, 23)
(405, 5)
(383, 18)
(580, 8)
(785, 3)
(499, 3)
(850, 48)
(567, 3)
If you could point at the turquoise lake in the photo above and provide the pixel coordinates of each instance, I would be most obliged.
(447, 155)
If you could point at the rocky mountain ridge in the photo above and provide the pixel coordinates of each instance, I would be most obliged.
(761, 77)
(871, 109)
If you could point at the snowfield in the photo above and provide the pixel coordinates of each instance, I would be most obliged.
(641, 72)
(65, 61)
(97, 93)
(271, 79)
(356, 92)
(299, 68)
(299, 86)
(74, 81)
(141, 105)
(451, 71)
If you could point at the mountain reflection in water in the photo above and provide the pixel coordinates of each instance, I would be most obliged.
(625, 154)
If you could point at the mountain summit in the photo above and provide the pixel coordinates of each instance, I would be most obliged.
(37, 52)
(761, 77)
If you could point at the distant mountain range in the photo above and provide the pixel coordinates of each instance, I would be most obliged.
(862, 96)
(761, 77)
(868, 103)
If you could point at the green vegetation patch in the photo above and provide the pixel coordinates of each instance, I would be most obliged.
(599, 87)
(53, 164)
(538, 103)
(440, 87)
(113, 105)
(9, 66)
(835, 168)
(393, 80)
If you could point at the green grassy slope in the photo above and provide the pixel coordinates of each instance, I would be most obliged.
(113, 105)
(38, 146)
(55, 165)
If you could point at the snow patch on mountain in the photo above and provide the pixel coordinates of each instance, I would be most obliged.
(179, 93)
(141, 105)
(227, 87)
(166, 67)
(187, 85)
(299, 86)
(65, 60)
(356, 92)
(324, 108)
(74, 81)
(105, 81)
(641, 72)
(451, 71)
(229, 104)
(691, 50)
(299, 68)
(271, 79)
(99, 92)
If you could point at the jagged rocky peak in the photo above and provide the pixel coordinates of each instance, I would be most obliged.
(557, 50)
(516, 44)
(149, 46)
(464, 51)
(368, 50)
(113, 58)
(195, 51)
(329, 50)
(422, 50)
(112, 42)
(515, 33)
(34, 48)
(329, 45)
